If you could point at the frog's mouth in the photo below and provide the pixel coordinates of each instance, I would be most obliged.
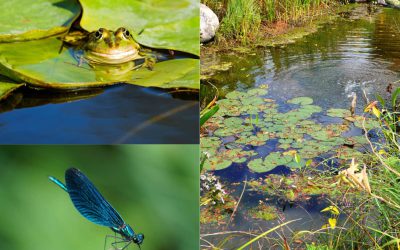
(115, 57)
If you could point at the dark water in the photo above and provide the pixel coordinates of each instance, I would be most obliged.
(350, 56)
(118, 114)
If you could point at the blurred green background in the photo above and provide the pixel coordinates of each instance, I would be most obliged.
(154, 187)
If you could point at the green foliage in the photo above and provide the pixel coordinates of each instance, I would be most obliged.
(40, 63)
(165, 24)
(25, 19)
(6, 87)
(153, 187)
(242, 19)
(250, 119)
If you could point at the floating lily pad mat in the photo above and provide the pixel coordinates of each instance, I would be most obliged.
(39, 63)
(27, 19)
(165, 24)
(247, 120)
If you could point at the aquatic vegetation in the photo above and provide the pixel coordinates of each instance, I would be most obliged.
(247, 120)
(43, 61)
(216, 205)
(264, 212)
(26, 20)
(242, 19)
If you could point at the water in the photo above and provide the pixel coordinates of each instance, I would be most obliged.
(118, 114)
(349, 56)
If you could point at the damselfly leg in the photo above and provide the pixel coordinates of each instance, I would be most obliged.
(115, 237)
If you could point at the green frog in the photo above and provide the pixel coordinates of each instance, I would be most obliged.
(109, 48)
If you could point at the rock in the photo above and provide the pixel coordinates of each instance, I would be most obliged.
(382, 2)
(209, 24)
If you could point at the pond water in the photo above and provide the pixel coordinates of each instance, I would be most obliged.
(117, 114)
(352, 55)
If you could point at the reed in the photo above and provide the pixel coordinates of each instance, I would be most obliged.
(242, 20)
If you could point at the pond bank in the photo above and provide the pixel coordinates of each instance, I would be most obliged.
(277, 106)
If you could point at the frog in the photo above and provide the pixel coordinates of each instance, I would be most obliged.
(107, 47)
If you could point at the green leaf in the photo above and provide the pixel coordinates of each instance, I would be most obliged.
(26, 19)
(165, 24)
(394, 97)
(208, 115)
(39, 63)
(381, 100)
(338, 113)
(6, 87)
(301, 100)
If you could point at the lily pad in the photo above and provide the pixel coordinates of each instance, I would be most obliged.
(270, 162)
(165, 24)
(292, 131)
(301, 100)
(221, 160)
(338, 113)
(6, 87)
(39, 63)
(26, 19)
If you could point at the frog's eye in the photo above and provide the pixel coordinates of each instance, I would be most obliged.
(99, 34)
(126, 33)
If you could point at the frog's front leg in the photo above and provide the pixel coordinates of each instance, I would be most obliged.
(149, 62)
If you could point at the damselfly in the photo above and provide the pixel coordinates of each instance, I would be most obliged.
(92, 205)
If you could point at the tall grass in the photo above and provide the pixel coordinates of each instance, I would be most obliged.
(292, 11)
(242, 19)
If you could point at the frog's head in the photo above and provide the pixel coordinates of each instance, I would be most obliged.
(107, 47)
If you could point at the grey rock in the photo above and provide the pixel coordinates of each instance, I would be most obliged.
(382, 2)
(209, 23)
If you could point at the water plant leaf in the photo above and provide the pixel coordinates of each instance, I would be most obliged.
(208, 114)
(261, 124)
(332, 222)
(25, 19)
(301, 100)
(6, 87)
(332, 209)
(164, 24)
(338, 113)
(270, 162)
(223, 159)
(39, 63)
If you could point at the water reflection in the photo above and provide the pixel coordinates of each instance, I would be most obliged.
(102, 119)
(345, 57)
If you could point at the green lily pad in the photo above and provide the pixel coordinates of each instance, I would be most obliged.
(26, 19)
(338, 113)
(221, 160)
(254, 140)
(301, 100)
(39, 63)
(292, 131)
(235, 95)
(6, 87)
(165, 24)
(369, 123)
(270, 162)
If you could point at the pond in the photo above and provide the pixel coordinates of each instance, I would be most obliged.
(75, 72)
(117, 114)
(288, 88)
